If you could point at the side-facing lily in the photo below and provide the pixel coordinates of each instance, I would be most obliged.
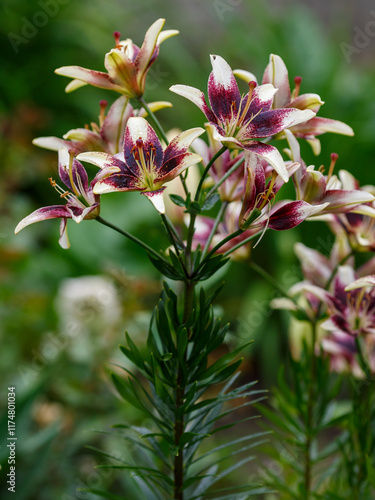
(126, 64)
(316, 188)
(108, 136)
(240, 121)
(358, 225)
(276, 73)
(81, 202)
(256, 209)
(143, 165)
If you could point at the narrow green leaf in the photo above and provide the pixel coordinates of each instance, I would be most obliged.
(210, 202)
(177, 200)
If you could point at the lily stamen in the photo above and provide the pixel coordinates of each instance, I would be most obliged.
(297, 82)
(103, 104)
(334, 158)
(117, 37)
(72, 153)
(63, 193)
(252, 86)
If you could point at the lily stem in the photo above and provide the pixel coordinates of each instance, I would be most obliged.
(225, 177)
(309, 415)
(173, 238)
(179, 428)
(214, 227)
(130, 237)
(206, 170)
(272, 281)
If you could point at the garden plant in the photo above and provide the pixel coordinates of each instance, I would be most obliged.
(226, 181)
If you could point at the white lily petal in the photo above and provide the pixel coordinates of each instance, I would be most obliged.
(245, 75)
(164, 35)
(97, 158)
(194, 95)
(361, 283)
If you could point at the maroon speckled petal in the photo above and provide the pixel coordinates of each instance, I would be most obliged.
(140, 134)
(223, 91)
(44, 213)
(261, 100)
(113, 128)
(117, 182)
(272, 122)
(289, 215)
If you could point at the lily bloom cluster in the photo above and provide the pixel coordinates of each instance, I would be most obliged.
(242, 169)
(342, 299)
(244, 124)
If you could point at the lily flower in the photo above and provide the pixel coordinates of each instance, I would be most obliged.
(276, 73)
(240, 121)
(256, 209)
(315, 188)
(81, 202)
(233, 187)
(143, 165)
(108, 136)
(359, 224)
(126, 64)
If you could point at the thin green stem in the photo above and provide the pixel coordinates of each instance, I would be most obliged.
(241, 244)
(191, 228)
(219, 216)
(174, 239)
(262, 272)
(309, 415)
(225, 177)
(215, 249)
(206, 170)
(179, 428)
(130, 237)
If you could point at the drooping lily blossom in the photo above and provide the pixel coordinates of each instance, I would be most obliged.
(240, 121)
(316, 188)
(233, 187)
(143, 165)
(276, 73)
(126, 64)
(108, 136)
(256, 211)
(81, 202)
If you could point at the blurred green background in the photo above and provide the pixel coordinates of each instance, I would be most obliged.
(61, 376)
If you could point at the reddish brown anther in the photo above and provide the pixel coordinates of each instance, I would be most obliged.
(334, 158)
(297, 82)
(117, 36)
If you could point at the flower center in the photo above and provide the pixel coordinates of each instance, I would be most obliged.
(145, 161)
(239, 119)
